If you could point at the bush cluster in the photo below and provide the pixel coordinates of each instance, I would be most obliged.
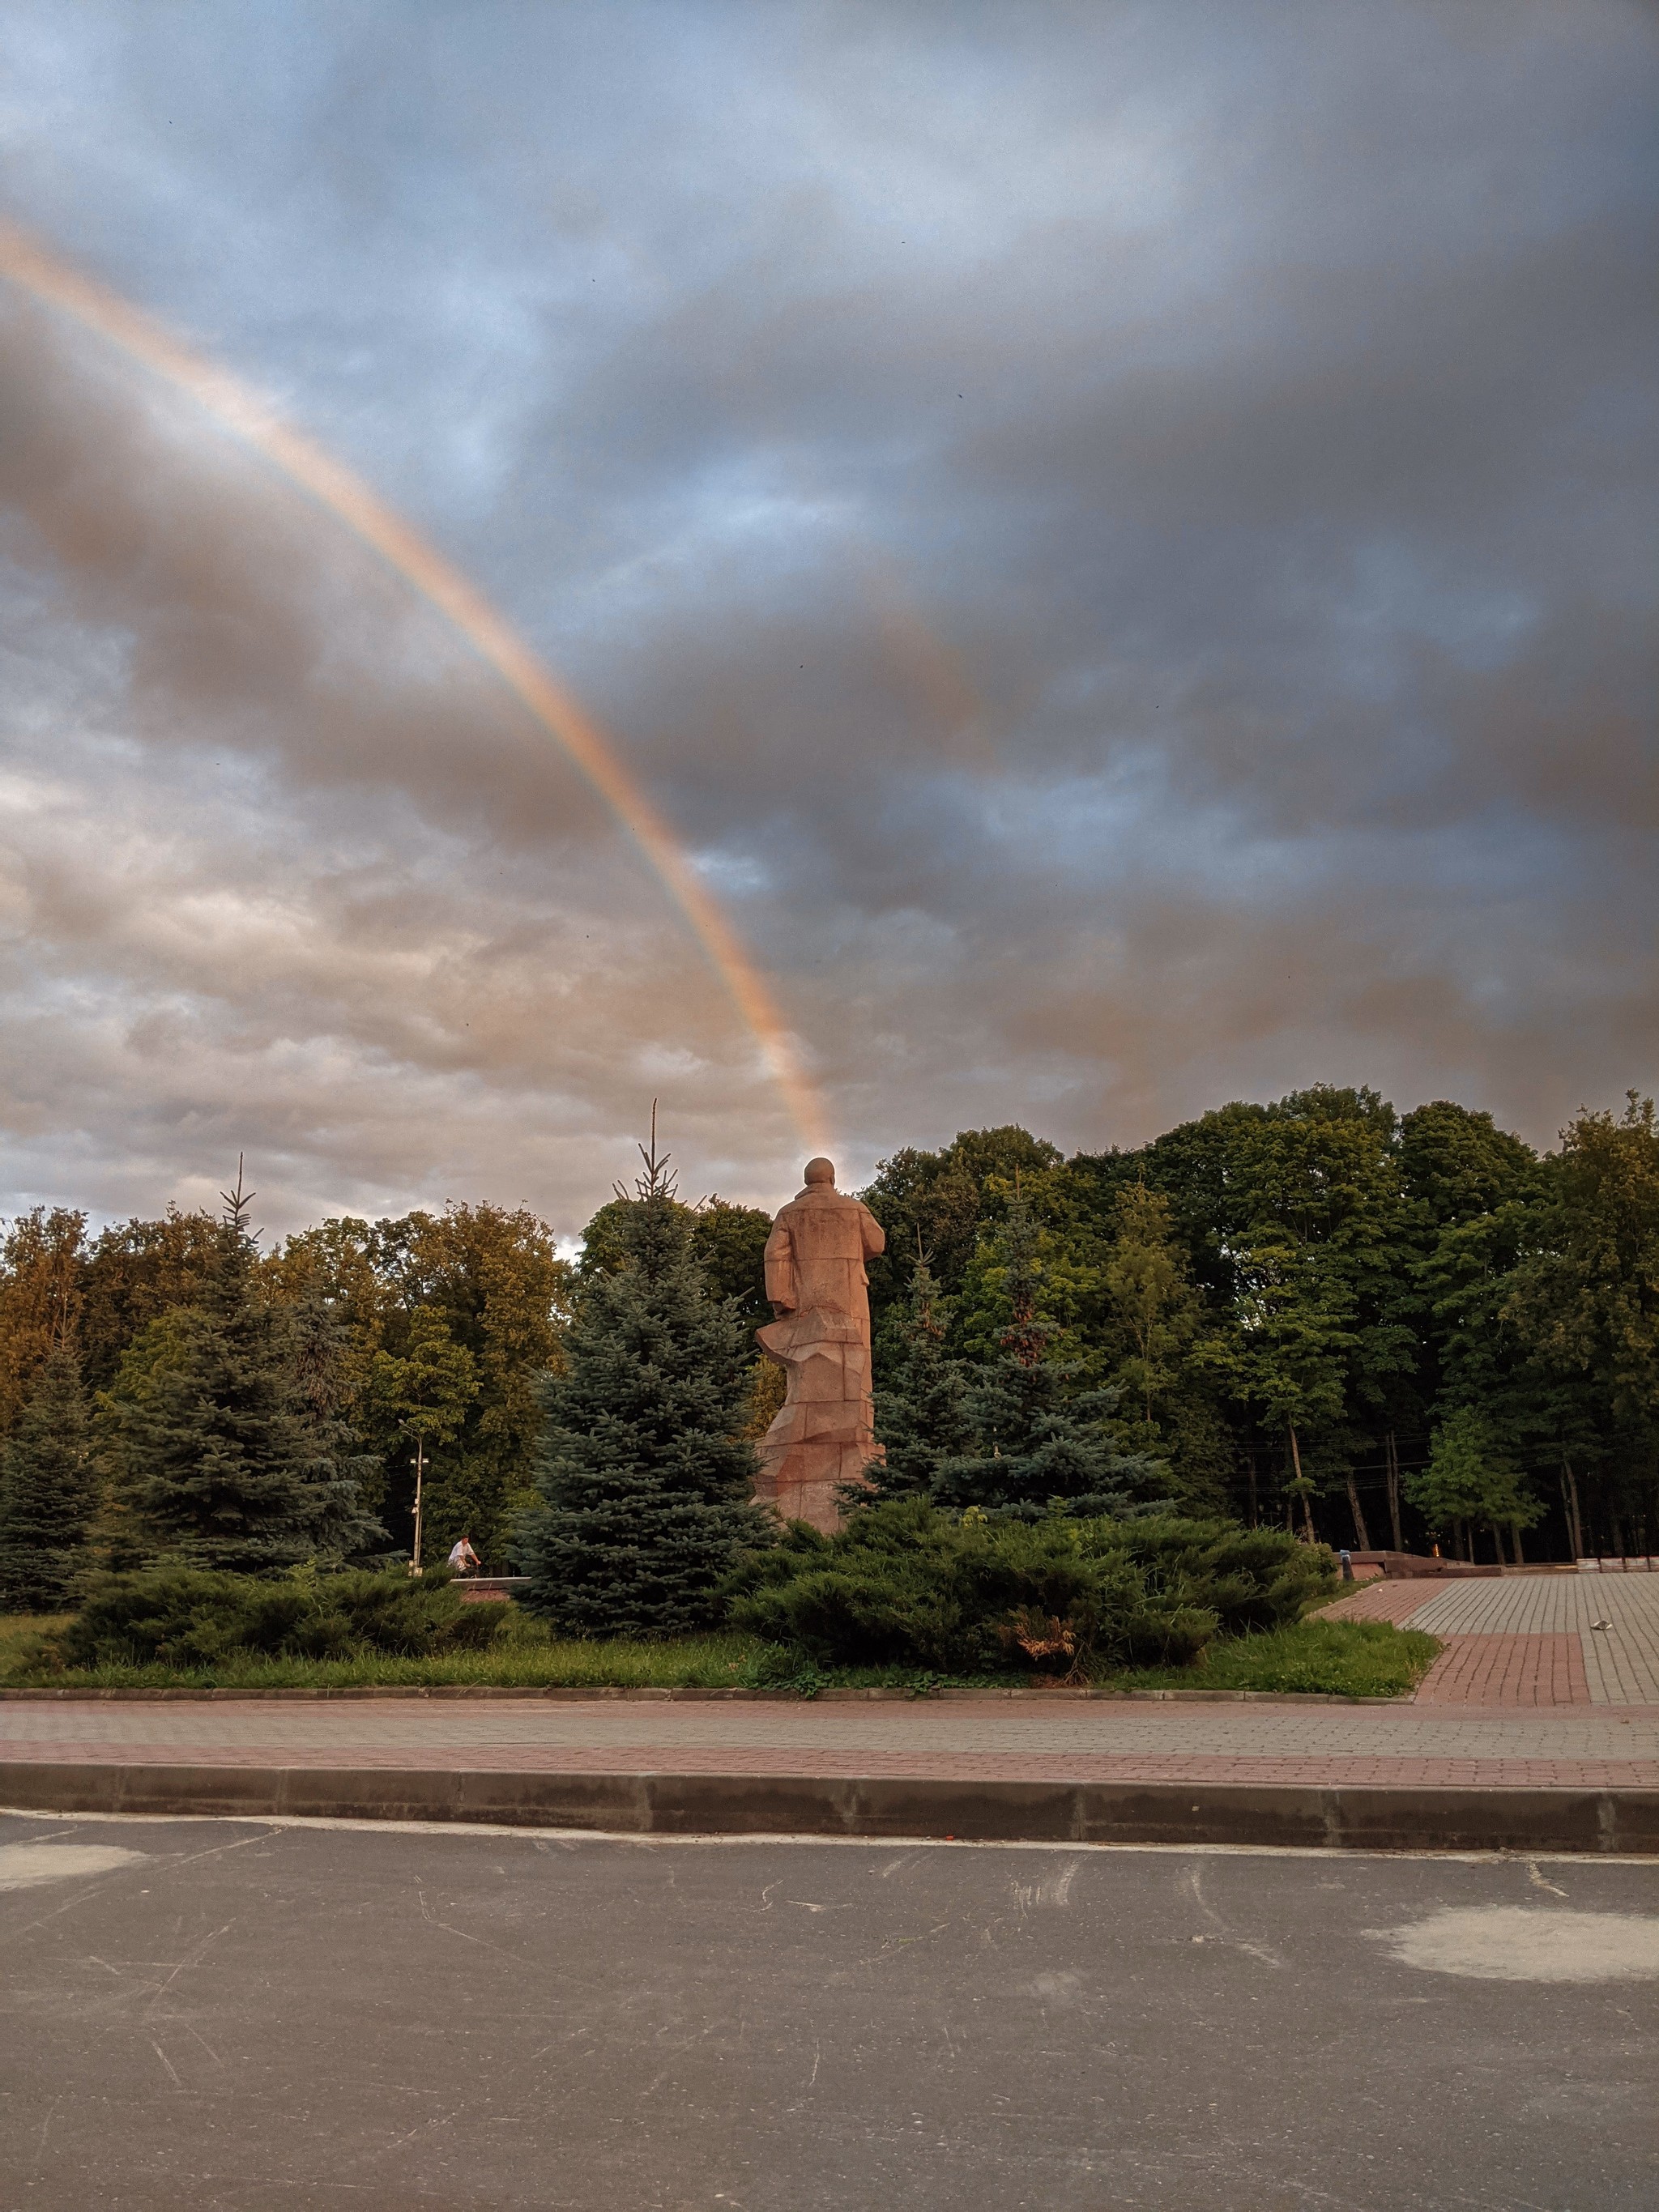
(1251, 1579)
(905, 1585)
(186, 1618)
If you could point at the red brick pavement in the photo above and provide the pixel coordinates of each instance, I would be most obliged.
(1004, 1766)
(1507, 1670)
(1527, 1641)
(1382, 1600)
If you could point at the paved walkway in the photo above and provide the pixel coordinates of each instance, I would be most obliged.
(1535, 1640)
(1581, 1745)
(1546, 1681)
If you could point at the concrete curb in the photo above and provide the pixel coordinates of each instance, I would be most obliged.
(599, 1691)
(1408, 1818)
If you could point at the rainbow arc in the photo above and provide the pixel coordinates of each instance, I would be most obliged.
(313, 471)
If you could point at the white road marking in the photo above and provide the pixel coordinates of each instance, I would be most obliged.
(1529, 1943)
(26, 1866)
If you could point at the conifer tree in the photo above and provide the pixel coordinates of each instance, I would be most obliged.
(920, 1416)
(221, 1461)
(643, 1478)
(1038, 1449)
(48, 1491)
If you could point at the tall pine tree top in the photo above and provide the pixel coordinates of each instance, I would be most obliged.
(222, 1462)
(643, 1479)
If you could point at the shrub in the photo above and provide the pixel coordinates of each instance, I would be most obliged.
(905, 1585)
(185, 1617)
(1251, 1578)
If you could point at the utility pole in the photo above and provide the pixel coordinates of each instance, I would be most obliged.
(1392, 1450)
(420, 1474)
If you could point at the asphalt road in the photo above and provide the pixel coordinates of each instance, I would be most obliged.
(198, 2014)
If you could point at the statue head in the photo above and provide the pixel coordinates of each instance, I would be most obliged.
(820, 1175)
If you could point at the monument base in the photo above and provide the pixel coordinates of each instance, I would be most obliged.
(802, 1481)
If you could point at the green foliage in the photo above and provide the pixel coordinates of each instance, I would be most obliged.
(1155, 1322)
(1469, 1477)
(421, 1396)
(1586, 1300)
(1291, 1300)
(183, 1619)
(729, 1244)
(905, 1585)
(423, 1392)
(921, 1420)
(220, 1460)
(643, 1478)
(1288, 1354)
(1036, 1445)
(1455, 1166)
(1251, 1578)
(135, 1271)
(1039, 1449)
(42, 1292)
(48, 1490)
(1151, 1297)
(480, 1280)
(1321, 1658)
(938, 1202)
(1332, 1657)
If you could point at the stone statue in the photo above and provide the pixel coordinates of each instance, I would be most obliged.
(814, 1279)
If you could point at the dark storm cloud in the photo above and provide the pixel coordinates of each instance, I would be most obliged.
(1123, 535)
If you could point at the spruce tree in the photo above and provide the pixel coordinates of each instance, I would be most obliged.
(221, 1462)
(643, 1478)
(1039, 1449)
(48, 1491)
(921, 1419)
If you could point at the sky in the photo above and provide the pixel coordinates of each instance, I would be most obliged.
(1122, 538)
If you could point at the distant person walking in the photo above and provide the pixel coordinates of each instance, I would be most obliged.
(463, 1558)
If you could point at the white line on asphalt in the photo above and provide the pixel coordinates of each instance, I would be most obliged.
(573, 1836)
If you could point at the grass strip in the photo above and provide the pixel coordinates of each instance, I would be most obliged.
(1356, 1659)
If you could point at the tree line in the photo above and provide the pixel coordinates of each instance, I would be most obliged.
(1393, 1330)
(1383, 1330)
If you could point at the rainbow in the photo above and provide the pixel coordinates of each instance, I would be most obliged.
(26, 264)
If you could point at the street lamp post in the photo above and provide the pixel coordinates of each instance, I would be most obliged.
(420, 1474)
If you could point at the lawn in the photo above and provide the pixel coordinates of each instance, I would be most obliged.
(1362, 1658)
(1341, 1658)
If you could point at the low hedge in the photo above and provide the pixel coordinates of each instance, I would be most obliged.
(184, 1618)
(1251, 1578)
(903, 1584)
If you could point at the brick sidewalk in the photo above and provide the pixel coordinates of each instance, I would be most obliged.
(1508, 1670)
(1528, 1640)
(1454, 1743)
(1537, 1727)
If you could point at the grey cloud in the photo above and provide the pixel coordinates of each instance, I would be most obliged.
(1123, 535)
